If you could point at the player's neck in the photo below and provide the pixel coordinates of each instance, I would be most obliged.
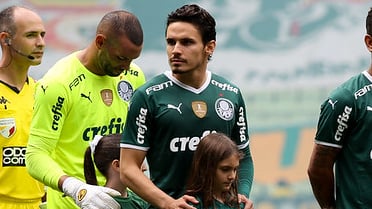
(14, 77)
(370, 70)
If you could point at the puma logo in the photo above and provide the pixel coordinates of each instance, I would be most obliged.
(85, 96)
(332, 103)
(44, 88)
(178, 108)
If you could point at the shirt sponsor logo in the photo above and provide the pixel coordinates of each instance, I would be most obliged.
(181, 144)
(242, 125)
(7, 127)
(225, 86)
(224, 109)
(159, 87)
(76, 81)
(56, 110)
(362, 91)
(125, 90)
(14, 156)
(130, 72)
(115, 126)
(342, 122)
(141, 125)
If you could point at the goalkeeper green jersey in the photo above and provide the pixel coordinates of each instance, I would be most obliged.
(345, 122)
(16, 185)
(72, 105)
(167, 119)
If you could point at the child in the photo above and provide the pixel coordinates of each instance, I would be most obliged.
(213, 175)
(105, 151)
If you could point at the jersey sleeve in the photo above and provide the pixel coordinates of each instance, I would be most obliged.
(336, 117)
(49, 111)
(135, 134)
(241, 137)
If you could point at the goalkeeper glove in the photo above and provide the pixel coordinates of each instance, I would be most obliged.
(90, 196)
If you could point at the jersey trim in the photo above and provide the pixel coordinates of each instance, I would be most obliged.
(242, 146)
(190, 88)
(328, 144)
(134, 147)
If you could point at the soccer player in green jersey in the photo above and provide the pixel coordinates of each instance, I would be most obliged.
(170, 114)
(104, 154)
(83, 95)
(22, 34)
(340, 168)
(213, 176)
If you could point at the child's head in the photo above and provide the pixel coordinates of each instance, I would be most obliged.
(214, 170)
(105, 150)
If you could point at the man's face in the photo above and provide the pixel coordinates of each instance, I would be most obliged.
(29, 36)
(117, 55)
(185, 49)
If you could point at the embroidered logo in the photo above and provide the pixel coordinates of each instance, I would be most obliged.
(86, 96)
(81, 194)
(178, 108)
(125, 90)
(199, 108)
(7, 127)
(4, 101)
(106, 95)
(224, 108)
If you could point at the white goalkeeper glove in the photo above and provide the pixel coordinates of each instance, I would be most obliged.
(90, 196)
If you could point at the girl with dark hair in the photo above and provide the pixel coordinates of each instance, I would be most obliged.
(213, 175)
(104, 154)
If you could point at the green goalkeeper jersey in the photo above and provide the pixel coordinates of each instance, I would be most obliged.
(72, 105)
(167, 119)
(345, 122)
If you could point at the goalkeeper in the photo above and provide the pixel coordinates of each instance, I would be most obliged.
(84, 94)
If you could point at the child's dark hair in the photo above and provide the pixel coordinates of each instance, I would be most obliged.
(212, 149)
(105, 151)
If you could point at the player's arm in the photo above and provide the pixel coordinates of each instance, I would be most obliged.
(245, 173)
(321, 176)
(39, 163)
(241, 137)
(132, 175)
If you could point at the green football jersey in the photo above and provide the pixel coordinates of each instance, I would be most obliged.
(167, 119)
(216, 205)
(72, 105)
(132, 201)
(344, 122)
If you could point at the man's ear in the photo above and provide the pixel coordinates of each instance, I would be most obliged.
(5, 38)
(100, 40)
(116, 165)
(368, 42)
(210, 47)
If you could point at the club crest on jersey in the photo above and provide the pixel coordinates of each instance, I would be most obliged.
(106, 95)
(199, 108)
(125, 90)
(224, 108)
(7, 127)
